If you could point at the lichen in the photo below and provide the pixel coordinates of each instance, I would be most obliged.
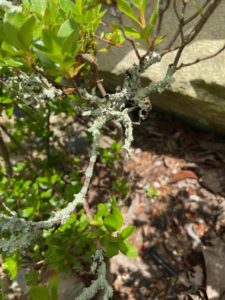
(98, 267)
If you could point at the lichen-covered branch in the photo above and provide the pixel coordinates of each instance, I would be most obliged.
(18, 233)
(100, 283)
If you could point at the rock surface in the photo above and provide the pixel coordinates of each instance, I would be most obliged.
(198, 93)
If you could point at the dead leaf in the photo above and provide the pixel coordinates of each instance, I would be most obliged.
(182, 175)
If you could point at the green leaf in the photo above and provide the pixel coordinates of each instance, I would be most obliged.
(69, 34)
(124, 6)
(140, 4)
(66, 5)
(27, 212)
(114, 221)
(68, 27)
(158, 40)
(16, 20)
(102, 210)
(39, 6)
(126, 232)
(10, 35)
(128, 249)
(10, 264)
(111, 248)
(46, 194)
(26, 31)
(147, 31)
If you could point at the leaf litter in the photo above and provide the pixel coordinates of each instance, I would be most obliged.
(180, 232)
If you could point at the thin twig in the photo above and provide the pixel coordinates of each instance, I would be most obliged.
(130, 40)
(182, 65)
(162, 11)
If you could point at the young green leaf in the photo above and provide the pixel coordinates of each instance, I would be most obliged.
(140, 4)
(68, 27)
(125, 8)
(102, 210)
(10, 264)
(126, 232)
(114, 221)
(128, 249)
(66, 5)
(147, 31)
(39, 6)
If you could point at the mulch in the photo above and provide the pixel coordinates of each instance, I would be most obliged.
(183, 223)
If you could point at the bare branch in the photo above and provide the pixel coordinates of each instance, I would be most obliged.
(162, 11)
(130, 40)
(182, 65)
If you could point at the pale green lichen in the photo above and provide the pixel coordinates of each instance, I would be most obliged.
(100, 283)
(9, 6)
(33, 90)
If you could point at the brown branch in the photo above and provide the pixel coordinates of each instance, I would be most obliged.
(197, 28)
(205, 16)
(92, 61)
(195, 15)
(107, 41)
(185, 22)
(181, 26)
(200, 59)
(130, 40)
(162, 11)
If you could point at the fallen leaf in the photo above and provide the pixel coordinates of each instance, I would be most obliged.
(182, 175)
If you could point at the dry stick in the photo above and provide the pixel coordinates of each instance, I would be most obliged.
(200, 59)
(5, 155)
